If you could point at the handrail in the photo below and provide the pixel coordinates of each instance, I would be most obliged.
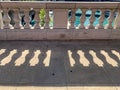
(60, 5)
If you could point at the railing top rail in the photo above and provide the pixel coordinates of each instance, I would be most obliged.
(59, 5)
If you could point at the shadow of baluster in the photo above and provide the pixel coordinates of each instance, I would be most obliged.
(21, 59)
(102, 58)
(76, 58)
(46, 61)
(96, 60)
(8, 58)
(89, 57)
(83, 60)
(15, 57)
(109, 59)
(116, 55)
(71, 59)
(35, 59)
(42, 57)
(28, 57)
(2, 51)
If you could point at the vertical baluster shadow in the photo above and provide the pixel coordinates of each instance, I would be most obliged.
(29, 55)
(76, 57)
(41, 57)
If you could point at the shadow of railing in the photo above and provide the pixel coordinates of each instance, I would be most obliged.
(60, 63)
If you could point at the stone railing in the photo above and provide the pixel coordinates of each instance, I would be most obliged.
(59, 20)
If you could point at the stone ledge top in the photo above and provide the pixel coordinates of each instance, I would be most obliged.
(59, 5)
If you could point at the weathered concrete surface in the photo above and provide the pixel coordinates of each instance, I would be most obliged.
(59, 34)
(3, 34)
(60, 65)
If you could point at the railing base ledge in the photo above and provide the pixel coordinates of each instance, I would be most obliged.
(58, 34)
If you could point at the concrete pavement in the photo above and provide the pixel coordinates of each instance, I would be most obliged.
(60, 65)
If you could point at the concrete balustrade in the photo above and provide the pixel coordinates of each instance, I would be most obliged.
(29, 27)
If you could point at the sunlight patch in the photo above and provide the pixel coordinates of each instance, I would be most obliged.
(71, 59)
(35, 59)
(8, 58)
(21, 59)
(96, 59)
(110, 60)
(116, 53)
(2, 51)
(46, 61)
(83, 60)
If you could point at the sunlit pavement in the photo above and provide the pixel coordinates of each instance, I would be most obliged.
(60, 65)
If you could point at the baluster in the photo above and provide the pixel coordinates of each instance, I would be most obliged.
(1, 20)
(92, 18)
(17, 19)
(102, 17)
(72, 20)
(27, 18)
(6, 19)
(83, 17)
(47, 19)
(111, 18)
(37, 19)
(117, 20)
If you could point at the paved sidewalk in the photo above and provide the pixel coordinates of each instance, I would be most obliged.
(60, 65)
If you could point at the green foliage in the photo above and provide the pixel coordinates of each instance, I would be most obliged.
(42, 17)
